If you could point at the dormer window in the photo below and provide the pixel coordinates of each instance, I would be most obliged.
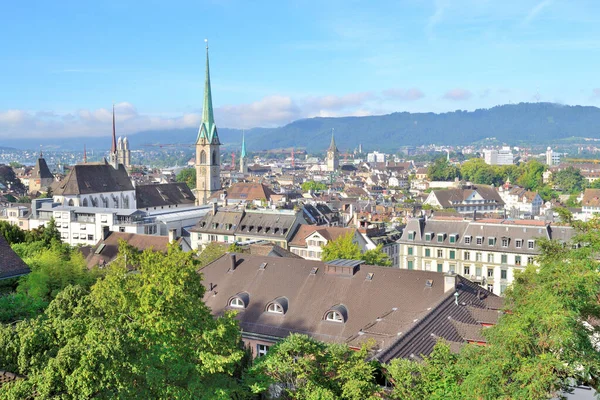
(491, 241)
(504, 242)
(239, 301)
(411, 235)
(467, 239)
(453, 238)
(479, 240)
(337, 313)
(440, 237)
(531, 244)
(519, 243)
(428, 236)
(277, 306)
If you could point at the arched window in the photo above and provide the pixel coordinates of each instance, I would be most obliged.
(84, 203)
(215, 161)
(203, 157)
(337, 313)
(240, 300)
(126, 202)
(237, 303)
(275, 308)
(71, 202)
(105, 202)
(116, 202)
(334, 316)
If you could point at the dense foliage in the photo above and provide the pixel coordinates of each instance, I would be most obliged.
(314, 186)
(135, 334)
(345, 247)
(187, 175)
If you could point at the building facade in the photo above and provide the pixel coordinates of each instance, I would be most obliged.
(467, 199)
(208, 153)
(487, 252)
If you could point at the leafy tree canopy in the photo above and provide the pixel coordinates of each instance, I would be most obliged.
(142, 333)
(187, 175)
(314, 186)
(569, 180)
(342, 247)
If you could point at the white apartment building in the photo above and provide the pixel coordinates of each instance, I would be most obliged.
(488, 253)
(552, 157)
(376, 157)
(504, 156)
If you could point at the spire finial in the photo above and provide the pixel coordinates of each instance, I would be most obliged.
(208, 129)
(41, 153)
(206, 41)
(84, 155)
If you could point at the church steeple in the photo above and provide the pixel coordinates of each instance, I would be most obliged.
(208, 128)
(243, 162)
(113, 148)
(332, 146)
(243, 155)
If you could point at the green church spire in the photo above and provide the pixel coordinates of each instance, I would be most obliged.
(243, 145)
(208, 129)
(332, 146)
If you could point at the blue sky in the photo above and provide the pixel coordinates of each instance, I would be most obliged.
(63, 63)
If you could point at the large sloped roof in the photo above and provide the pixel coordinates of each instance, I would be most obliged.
(165, 194)
(41, 170)
(94, 178)
(11, 264)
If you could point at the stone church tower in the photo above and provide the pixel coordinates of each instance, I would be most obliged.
(208, 154)
(332, 156)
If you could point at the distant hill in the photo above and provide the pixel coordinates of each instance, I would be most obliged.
(524, 123)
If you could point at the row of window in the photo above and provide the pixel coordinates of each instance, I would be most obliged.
(479, 240)
(279, 306)
(466, 269)
(467, 256)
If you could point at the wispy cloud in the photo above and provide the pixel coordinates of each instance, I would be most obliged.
(458, 94)
(595, 94)
(436, 17)
(535, 11)
(403, 94)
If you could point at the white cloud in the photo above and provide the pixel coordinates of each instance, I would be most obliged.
(458, 94)
(536, 10)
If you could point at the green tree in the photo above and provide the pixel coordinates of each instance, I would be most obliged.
(595, 184)
(376, 256)
(12, 233)
(569, 180)
(135, 334)
(442, 170)
(210, 253)
(342, 247)
(187, 175)
(305, 369)
(531, 175)
(314, 186)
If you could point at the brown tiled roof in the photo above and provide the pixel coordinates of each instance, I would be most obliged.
(271, 250)
(469, 332)
(484, 315)
(165, 194)
(93, 178)
(11, 264)
(450, 198)
(247, 191)
(105, 251)
(591, 198)
(328, 232)
(386, 308)
(7, 377)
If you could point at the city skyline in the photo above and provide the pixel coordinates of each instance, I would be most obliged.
(275, 63)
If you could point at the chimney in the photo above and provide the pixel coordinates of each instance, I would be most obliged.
(172, 235)
(474, 215)
(214, 208)
(233, 260)
(449, 281)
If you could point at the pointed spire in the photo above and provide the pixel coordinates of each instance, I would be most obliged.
(243, 155)
(84, 155)
(41, 153)
(208, 129)
(332, 144)
(113, 148)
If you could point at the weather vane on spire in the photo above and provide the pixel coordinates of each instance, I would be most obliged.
(206, 41)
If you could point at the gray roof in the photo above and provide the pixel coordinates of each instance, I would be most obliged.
(379, 303)
(41, 170)
(165, 194)
(94, 178)
(11, 265)
(513, 230)
(450, 198)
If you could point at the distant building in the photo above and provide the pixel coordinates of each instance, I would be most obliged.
(590, 204)
(333, 161)
(309, 240)
(503, 156)
(467, 199)
(376, 157)
(41, 178)
(552, 158)
(16, 214)
(208, 153)
(123, 152)
(243, 160)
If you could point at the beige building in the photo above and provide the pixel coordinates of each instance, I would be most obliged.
(16, 214)
(309, 240)
(488, 252)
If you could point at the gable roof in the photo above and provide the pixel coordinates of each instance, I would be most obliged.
(328, 232)
(94, 178)
(106, 250)
(11, 265)
(165, 194)
(450, 198)
(246, 191)
(380, 303)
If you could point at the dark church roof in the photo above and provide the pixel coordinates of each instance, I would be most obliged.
(166, 194)
(11, 265)
(94, 178)
(41, 170)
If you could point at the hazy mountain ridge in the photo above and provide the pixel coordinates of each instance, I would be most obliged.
(524, 123)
